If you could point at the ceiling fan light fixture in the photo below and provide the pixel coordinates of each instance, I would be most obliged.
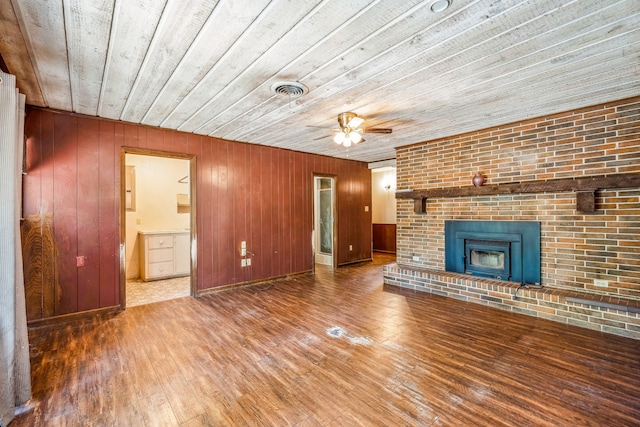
(355, 137)
(350, 132)
(345, 118)
(355, 122)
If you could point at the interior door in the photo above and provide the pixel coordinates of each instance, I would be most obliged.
(324, 208)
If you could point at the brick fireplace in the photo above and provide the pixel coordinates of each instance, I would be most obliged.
(589, 261)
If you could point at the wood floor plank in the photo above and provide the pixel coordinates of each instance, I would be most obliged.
(334, 348)
(156, 411)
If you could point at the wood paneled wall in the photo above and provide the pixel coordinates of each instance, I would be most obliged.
(384, 238)
(248, 192)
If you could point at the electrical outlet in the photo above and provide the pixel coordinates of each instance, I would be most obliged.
(350, 247)
(248, 262)
(243, 263)
(366, 208)
(243, 248)
(601, 282)
(415, 258)
(80, 261)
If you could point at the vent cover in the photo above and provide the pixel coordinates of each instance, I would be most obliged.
(289, 89)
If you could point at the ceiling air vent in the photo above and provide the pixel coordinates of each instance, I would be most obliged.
(289, 89)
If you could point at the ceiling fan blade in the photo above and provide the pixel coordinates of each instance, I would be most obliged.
(377, 130)
(323, 127)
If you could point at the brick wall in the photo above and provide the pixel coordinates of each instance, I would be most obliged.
(576, 247)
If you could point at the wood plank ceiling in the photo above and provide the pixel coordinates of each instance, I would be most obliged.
(208, 66)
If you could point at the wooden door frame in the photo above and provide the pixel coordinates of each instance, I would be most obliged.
(334, 214)
(123, 214)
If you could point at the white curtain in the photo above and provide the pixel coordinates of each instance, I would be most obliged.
(15, 381)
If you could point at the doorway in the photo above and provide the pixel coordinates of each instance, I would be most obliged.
(324, 220)
(157, 230)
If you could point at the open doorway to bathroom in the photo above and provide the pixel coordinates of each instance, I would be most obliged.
(157, 226)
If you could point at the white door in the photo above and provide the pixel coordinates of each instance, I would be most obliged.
(324, 202)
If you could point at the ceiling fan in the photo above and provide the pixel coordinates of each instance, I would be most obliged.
(350, 131)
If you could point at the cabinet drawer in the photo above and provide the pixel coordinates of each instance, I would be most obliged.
(160, 269)
(160, 255)
(165, 241)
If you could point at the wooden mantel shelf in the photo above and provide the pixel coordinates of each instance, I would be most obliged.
(584, 187)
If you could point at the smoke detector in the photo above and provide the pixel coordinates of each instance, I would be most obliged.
(290, 90)
(440, 5)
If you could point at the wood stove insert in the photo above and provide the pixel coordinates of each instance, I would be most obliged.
(503, 250)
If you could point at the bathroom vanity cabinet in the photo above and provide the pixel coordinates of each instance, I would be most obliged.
(164, 254)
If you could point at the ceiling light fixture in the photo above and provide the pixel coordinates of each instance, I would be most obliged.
(440, 5)
(347, 138)
(349, 129)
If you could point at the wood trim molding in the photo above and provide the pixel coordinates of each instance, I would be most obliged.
(267, 281)
(193, 173)
(357, 261)
(584, 187)
(74, 317)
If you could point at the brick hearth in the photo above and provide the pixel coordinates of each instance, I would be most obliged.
(607, 313)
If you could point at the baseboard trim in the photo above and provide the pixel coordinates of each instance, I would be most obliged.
(72, 317)
(355, 262)
(246, 284)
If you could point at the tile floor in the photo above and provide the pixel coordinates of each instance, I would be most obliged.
(140, 292)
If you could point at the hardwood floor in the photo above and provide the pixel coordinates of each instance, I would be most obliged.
(332, 349)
